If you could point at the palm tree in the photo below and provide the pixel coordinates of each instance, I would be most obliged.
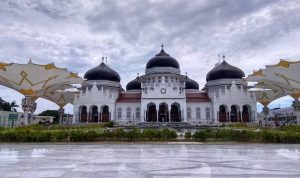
(6, 106)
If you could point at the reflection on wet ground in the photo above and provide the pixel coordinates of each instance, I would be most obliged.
(142, 160)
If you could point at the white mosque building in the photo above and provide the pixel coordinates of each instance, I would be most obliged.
(163, 94)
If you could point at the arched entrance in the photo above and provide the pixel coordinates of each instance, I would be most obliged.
(151, 113)
(105, 114)
(222, 113)
(234, 114)
(246, 114)
(163, 113)
(83, 113)
(94, 114)
(175, 113)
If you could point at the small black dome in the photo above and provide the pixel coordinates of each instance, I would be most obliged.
(225, 71)
(102, 72)
(162, 59)
(191, 84)
(134, 84)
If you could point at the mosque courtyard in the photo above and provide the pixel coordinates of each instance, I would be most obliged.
(148, 160)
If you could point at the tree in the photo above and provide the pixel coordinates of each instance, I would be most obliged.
(6, 106)
(53, 113)
(1, 103)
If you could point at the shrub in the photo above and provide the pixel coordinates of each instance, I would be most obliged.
(133, 134)
(60, 135)
(76, 135)
(91, 135)
(21, 136)
(43, 136)
(188, 135)
(267, 136)
(148, 134)
(109, 124)
(200, 136)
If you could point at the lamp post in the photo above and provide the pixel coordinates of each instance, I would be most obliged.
(266, 113)
(296, 106)
(61, 112)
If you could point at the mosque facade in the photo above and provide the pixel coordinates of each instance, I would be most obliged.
(164, 95)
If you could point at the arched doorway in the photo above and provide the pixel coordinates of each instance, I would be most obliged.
(246, 113)
(151, 113)
(83, 113)
(234, 114)
(94, 114)
(222, 113)
(175, 113)
(163, 113)
(105, 114)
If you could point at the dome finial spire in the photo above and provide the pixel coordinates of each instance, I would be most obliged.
(138, 74)
(162, 46)
(102, 59)
(223, 57)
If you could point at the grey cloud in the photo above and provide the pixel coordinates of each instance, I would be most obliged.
(76, 34)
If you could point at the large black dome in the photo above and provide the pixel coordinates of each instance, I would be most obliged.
(102, 72)
(134, 84)
(162, 59)
(191, 84)
(224, 71)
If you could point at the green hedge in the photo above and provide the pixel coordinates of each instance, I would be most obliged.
(241, 135)
(80, 135)
(281, 135)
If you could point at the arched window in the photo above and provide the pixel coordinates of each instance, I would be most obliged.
(128, 113)
(189, 113)
(207, 111)
(159, 79)
(119, 113)
(137, 113)
(198, 113)
(166, 79)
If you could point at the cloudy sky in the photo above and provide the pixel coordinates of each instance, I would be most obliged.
(76, 34)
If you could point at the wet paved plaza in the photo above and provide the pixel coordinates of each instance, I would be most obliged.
(142, 160)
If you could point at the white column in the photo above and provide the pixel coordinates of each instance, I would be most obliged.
(157, 110)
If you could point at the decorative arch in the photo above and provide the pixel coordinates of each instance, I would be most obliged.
(94, 114)
(246, 113)
(105, 114)
(163, 113)
(234, 113)
(223, 110)
(151, 113)
(175, 112)
(83, 114)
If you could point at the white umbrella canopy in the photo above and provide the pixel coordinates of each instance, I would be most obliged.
(35, 79)
(283, 78)
(285, 72)
(275, 86)
(61, 98)
(265, 97)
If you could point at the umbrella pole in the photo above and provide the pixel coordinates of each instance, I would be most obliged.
(296, 105)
